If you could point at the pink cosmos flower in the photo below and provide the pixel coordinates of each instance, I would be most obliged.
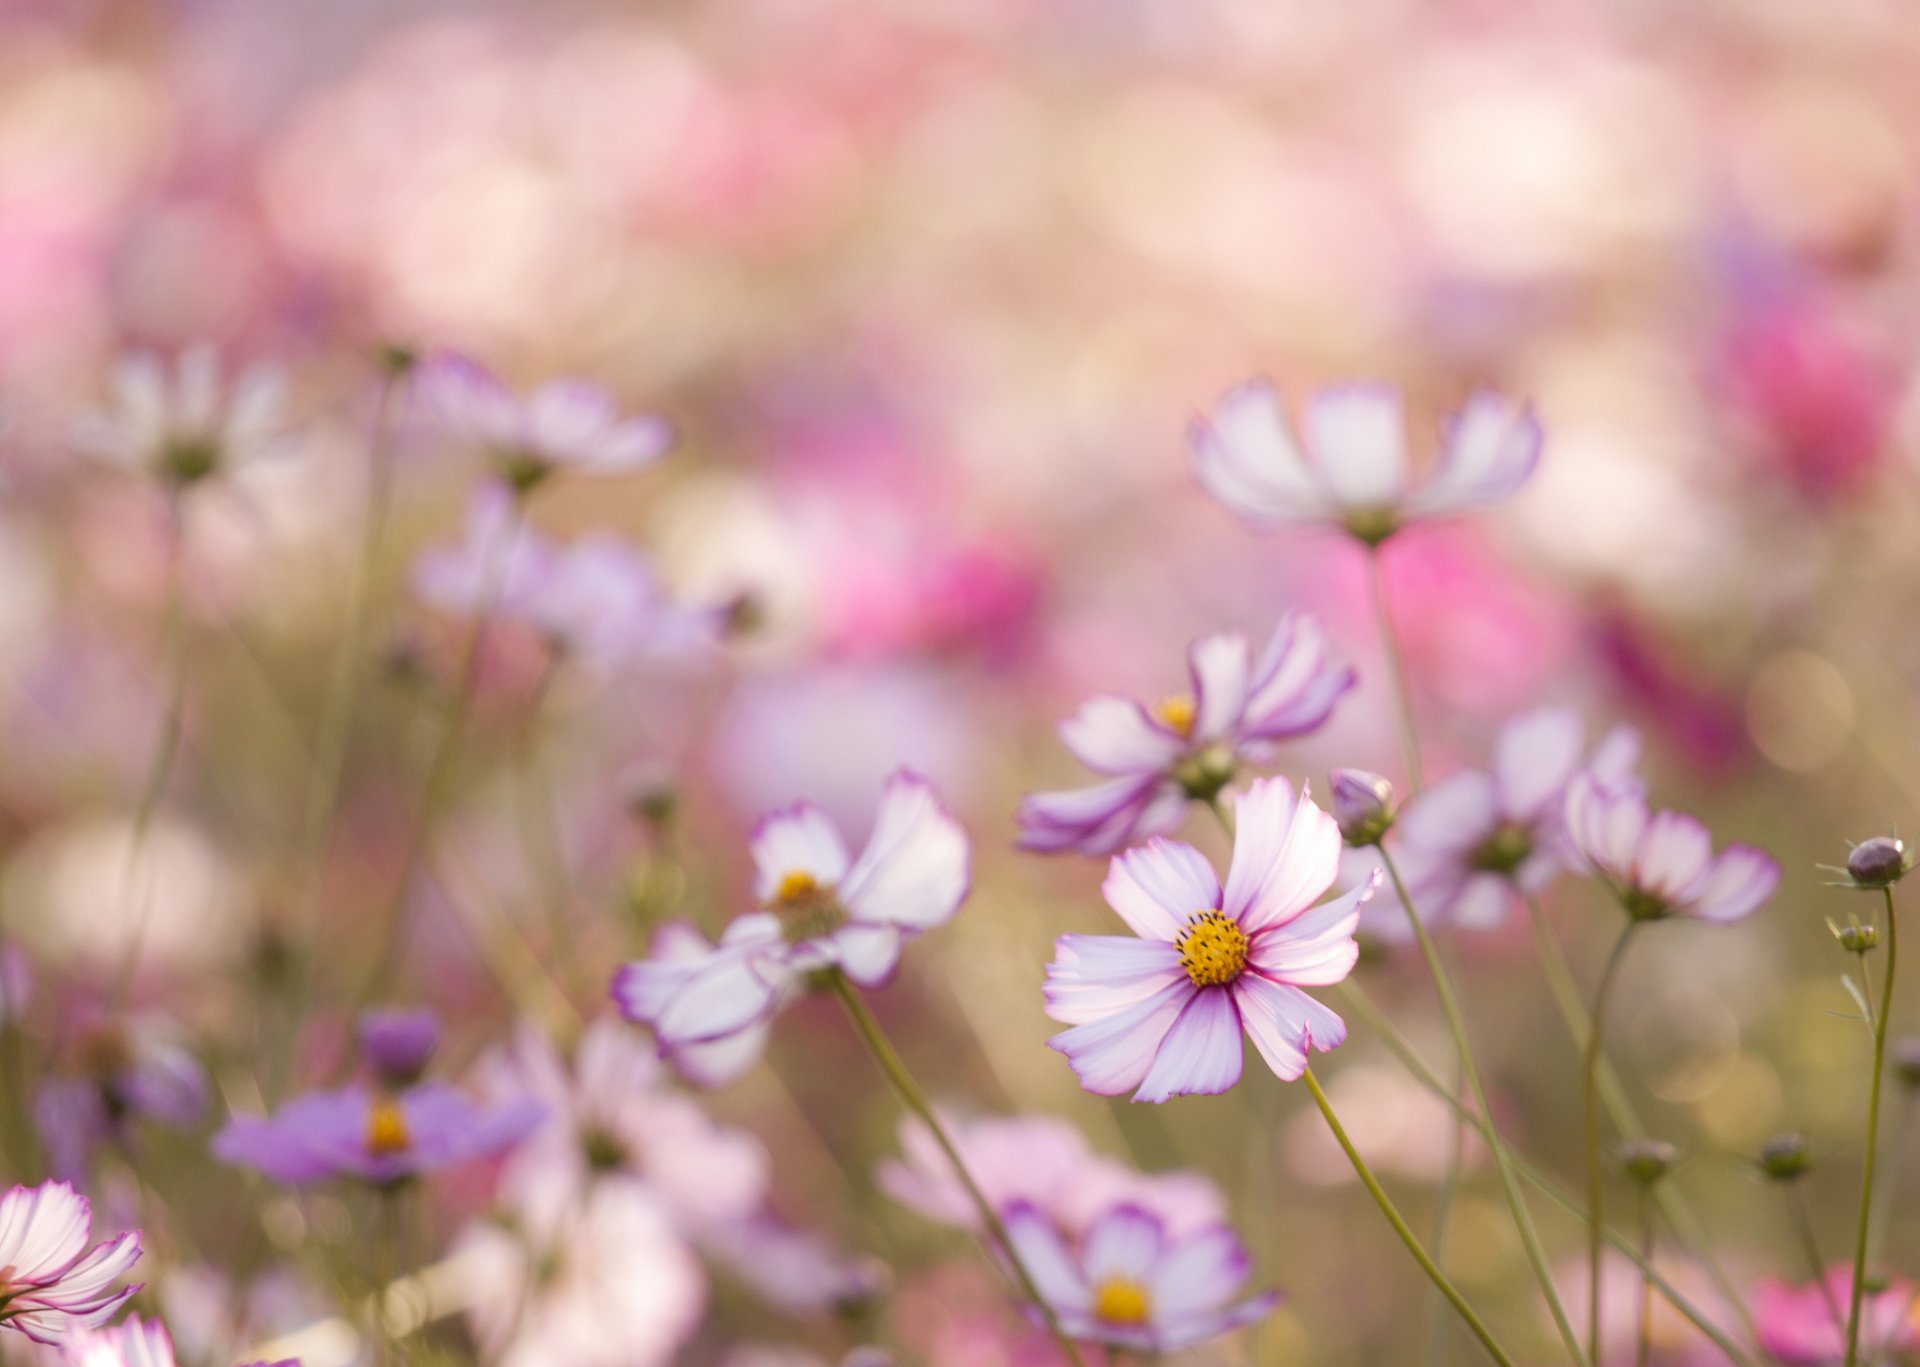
(1662, 864)
(1352, 470)
(1162, 1015)
(1796, 1324)
(51, 1284)
(1186, 747)
(132, 1343)
(1131, 1284)
(821, 909)
(563, 424)
(179, 426)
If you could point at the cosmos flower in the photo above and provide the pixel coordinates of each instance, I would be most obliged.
(123, 1072)
(1187, 747)
(821, 909)
(561, 425)
(132, 1343)
(1662, 864)
(1133, 1285)
(1352, 470)
(179, 427)
(1162, 1015)
(51, 1284)
(1797, 1325)
(376, 1136)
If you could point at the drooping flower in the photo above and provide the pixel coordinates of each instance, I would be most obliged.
(1162, 1015)
(1352, 471)
(122, 1072)
(133, 1343)
(51, 1283)
(1131, 1284)
(1797, 1325)
(1662, 864)
(1188, 747)
(179, 427)
(561, 425)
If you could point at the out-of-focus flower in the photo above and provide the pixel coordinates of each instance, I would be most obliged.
(123, 1072)
(1796, 1323)
(396, 1044)
(375, 1136)
(16, 983)
(1131, 1284)
(1878, 863)
(1662, 864)
(1187, 747)
(709, 1062)
(1041, 1162)
(561, 425)
(133, 1343)
(1352, 471)
(795, 1270)
(51, 1284)
(1362, 806)
(821, 911)
(1162, 1014)
(179, 427)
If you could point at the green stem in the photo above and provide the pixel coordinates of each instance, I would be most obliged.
(1873, 1133)
(1502, 1160)
(894, 1068)
(1590, 1116)
(1396, 670)
(1400, 1226)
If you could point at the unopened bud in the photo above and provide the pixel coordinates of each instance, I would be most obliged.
(1856, 938)
(1877, 863)
(1785, 1158)
(1362, 806)
(397, 1044)
(1646, 1161)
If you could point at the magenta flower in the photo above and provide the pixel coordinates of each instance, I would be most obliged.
(51, 1284)
(1130, 1284)
(1187, 747)
(378, 1137)
(1162, 1015)
(1352, 470)
(179, 426)
(1662, 864)
(1797, 1325)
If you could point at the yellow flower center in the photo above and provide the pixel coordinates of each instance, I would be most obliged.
(1121, 1300)
(1213, 949)
(796, 887)
(1176, 714)
(807, 908)
(387, 1128)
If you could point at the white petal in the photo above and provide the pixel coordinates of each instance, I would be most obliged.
(1246, 458)
(796, 839)
(1158, 886)
(1222, 669)
(914, 870)
(1115, 736)
(1534, 757)
(1285, 855)
(1357, 439)
(1201, 1051)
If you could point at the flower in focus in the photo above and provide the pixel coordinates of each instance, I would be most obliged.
(1796, 1324)
(1662, 864)
(122, 1073)
(1187, 747)
(179, 427)
(1351, 471)
(51, 1284)
(561, 425)
(1162, 1014)
(1131, 1284)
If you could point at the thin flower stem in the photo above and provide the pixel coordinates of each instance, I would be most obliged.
(1396, 668)
(1816, 1265)
(1400, 1226)
(1442, 1217)
(1590, 1116)
(1643, 1351)
(1873, 1132)
(1502, 1161)
(895, 1070)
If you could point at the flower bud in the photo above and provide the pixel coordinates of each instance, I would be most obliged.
(1856, 938)
(1362, 805)
(397, 1044)
(1646, 1161)
(1906, 1061)
(1877, 863)
(1785, 1158)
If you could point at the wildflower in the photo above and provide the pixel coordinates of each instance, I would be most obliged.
(1351, 472)
(1163, 1014)
(132, 1343)
(51, 1284)
(1662, 864)
(1130, 1284)
(122, 1073)
(1187, 747)
(178, 427)
(794, 1270)
(1878, 863)
(562, 425)
(1786, 1157)
(1796, 1324)
(396, 1045)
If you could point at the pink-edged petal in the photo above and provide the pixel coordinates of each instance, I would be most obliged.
(1293, 689)
(1492, 445)
(1093, 977)
(914, 870)
(1184, 1331)
(1452, 816)
(1283, 1022)
(731, 993)
(1100, 819)
(868, 953)
(1111, 1056)
(43, 1229)
(467, 400)
(1206, 1268)
(1673, 854)
(1612, 763)
(717, 1062)
(1316, 948)
(1357, 439)
(796, 839)
(1201, 1052)
(1740, 880)
(1286, 852)
(1221, 668)
(1245, 456)
(632, 445)
(1158, 886)
(1534, 757)
(1116, 736)
(1124, 1242)
(1056, 1274)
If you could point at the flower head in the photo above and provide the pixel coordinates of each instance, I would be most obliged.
(1351, 471)
(1662, 864)
(1159, 758)
(1796, 1325)
(122, 1072)
(51, 1283)
(132, 1343)
(178, 426)
(1162, 1015)
(396, 1044)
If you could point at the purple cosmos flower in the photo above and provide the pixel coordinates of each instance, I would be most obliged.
(1351, 471)
(396, 1044)
(1132, 1285)
(51, 1284)
(821, 910)
(563, 424)
(1162, 1015)
(124, 1072)
(1662, 864)
(178, 426)
(1187, 747)
(375, 1136)
(133, 1343)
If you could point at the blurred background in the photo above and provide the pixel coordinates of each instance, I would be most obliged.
(930, 291)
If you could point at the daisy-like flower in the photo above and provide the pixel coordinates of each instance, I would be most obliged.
(179, 426)
(122, 1073)
(1162, 1015)
(51, 1284)
(820, 909)
(1662, 864)
(1351, 471)
(376, 1136)
(1796, 1324)
(1131, 1284)
(133, 1343)
(561, 425)
(1186, 747)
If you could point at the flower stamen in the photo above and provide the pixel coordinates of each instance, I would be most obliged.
(807, 908)
(1121, 1300)
(387, 1128)
(1213, 949)
(1177, 714)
